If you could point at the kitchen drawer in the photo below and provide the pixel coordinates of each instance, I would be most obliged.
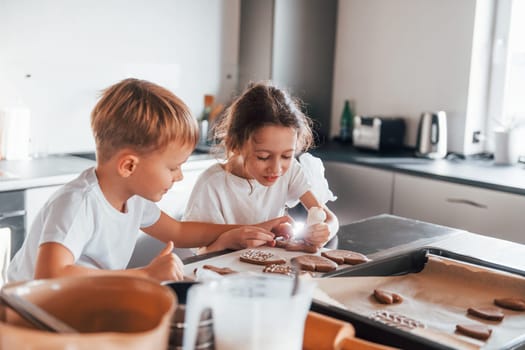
(361, 191)
(174, 202)
(11, 201)
(478, 210)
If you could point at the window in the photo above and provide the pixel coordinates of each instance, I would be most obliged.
(507, 95)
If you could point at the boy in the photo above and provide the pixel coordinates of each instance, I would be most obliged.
(143, 134)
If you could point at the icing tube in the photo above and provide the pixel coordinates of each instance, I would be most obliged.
(315, 216)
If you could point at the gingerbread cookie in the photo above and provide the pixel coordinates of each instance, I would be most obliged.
(315, 263)
(486, 313)
(396, 320)
(386, 297)
(260, 257)
(478, 331)
(341, 256)
(281, 269)
(219, 270)
(293, 245)
(516, 304)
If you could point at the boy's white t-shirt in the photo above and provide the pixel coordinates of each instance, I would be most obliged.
(221, 197)
(79, 217)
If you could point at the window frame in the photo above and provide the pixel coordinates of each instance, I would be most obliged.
(500, 66)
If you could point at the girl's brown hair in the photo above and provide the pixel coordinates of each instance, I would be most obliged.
(142, 116)
(262, 104)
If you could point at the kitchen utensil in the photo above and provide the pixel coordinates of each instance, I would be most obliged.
(109, 312)
(432, 135)
(409, 333)
(204, 339)
(323, 332)
(247, 311)
(34, 314)
(295, 277)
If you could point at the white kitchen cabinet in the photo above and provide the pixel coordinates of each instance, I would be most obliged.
(172, 203)
(361, 191)
(492, 213)
(35, 198)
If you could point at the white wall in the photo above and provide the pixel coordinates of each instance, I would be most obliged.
(72, 49)
(403, 57)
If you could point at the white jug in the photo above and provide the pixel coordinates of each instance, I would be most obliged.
(15, 133)
(250, 312)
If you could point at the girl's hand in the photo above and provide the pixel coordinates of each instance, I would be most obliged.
(166, 266)
(281, 226)
(283, 230)
(240, 238)
(317, 234)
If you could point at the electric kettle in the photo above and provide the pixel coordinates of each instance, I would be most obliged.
(432, 135)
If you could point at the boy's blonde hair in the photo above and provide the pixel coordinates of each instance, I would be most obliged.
(140, 115)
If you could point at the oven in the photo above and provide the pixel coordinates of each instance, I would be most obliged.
(12, 227)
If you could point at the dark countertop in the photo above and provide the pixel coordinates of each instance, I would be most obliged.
(469, 171)
(386, 235)
(381, 234)
(59, 169)
(377, 236)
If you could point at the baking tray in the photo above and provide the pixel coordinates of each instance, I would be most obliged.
(409, 262)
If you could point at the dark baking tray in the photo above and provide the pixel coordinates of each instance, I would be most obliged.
(409, 262)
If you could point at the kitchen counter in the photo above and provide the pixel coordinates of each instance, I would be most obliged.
(58, 169)
(38, 172)
(473, 172)
(376, 237)
(385, 235)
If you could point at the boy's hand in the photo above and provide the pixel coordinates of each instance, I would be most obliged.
(281, 226)
(240, 238)
(284, 230)
(166, 266)
(317, 234)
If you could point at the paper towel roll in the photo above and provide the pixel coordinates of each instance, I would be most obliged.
(15, 130)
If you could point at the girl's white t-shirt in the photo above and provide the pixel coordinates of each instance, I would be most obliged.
(79, 217)
(221, 197)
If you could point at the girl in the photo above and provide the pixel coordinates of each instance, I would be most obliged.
(261, 133)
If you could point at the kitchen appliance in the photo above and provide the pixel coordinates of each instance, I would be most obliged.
(432, 135)
(378, 133)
